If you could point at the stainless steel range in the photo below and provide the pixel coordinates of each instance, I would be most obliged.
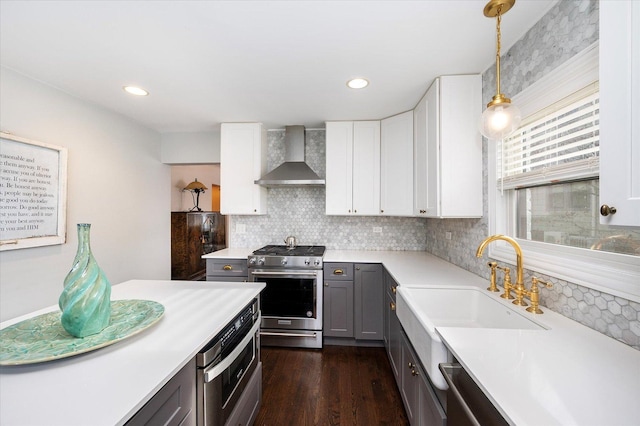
(291, 303)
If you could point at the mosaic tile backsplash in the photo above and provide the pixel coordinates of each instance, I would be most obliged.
(568, 28)
(300, 211)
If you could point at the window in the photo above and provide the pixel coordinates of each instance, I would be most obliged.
(544, 186)
(551, 163)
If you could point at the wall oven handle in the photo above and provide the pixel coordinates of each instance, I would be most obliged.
(284, 273)
(270, 333)
(215, 370)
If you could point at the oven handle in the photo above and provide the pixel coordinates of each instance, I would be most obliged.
(271, 333)
(311, 274)
(214, 371)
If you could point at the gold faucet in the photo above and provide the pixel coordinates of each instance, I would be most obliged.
(519, 286)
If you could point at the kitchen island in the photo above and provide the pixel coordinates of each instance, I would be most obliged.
(109, 385)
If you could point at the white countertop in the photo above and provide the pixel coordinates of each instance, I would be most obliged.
(568, 374)
(109, 385)
(229, 253)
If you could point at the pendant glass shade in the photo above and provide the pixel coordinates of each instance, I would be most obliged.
(499, 121)
(500, 118)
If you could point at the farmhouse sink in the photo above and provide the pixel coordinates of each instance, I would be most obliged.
(422, 309)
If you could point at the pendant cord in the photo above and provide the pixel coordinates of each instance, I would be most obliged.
(498, 19)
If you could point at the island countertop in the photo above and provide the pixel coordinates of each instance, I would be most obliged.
(109, 385)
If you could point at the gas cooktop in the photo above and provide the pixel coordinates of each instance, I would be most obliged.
(276, 250)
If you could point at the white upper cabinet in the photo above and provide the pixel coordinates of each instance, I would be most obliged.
(242, 161)
(448, 149)
(396, 165)
(620, 111)
(353, 168)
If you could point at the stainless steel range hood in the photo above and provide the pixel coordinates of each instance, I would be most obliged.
(294, 171)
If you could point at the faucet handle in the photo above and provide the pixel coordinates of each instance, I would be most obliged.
(537, 281)
(507, 282)
(492, 283)
(534, 295)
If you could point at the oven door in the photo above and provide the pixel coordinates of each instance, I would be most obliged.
(291, 302)
(220, 385)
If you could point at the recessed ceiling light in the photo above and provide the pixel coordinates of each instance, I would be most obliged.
(135, 90)
(358, 83)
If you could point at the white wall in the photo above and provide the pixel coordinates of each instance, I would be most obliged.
(116, 182)
(191, 147)
(181, 176)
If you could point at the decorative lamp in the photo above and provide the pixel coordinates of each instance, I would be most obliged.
(196, 188)
(501, 117)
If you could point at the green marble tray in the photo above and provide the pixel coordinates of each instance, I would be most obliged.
(42, 338)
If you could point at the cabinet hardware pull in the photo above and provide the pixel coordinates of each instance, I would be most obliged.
(414, 372)
(393, 290)
(338, 272)
(326, 284)
(392, 306)
(227, 267)
(605, 210)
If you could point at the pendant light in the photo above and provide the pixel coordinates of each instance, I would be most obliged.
(501, 117)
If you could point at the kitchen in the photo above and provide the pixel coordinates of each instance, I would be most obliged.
(33, 110)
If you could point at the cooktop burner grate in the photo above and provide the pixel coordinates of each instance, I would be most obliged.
(277, 250)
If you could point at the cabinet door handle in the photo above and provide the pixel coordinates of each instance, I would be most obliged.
(392, 306)
(227, 268)
(393, 290)
(338, 272)
(326, 284)
(605, 210)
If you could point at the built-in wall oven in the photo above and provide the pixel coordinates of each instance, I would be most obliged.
(291, 302)
(228, 371)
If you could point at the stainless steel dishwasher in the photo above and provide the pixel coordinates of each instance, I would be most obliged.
(467, 405)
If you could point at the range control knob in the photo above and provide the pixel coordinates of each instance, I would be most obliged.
(261, 261)
(252, 261)
(307, 262)
(316, 262)
(283, 261)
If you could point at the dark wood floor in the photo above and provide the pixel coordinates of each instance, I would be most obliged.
(337, 385)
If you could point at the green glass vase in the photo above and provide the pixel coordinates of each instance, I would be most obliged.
(85, 301)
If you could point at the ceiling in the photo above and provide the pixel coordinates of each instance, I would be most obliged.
(277, 62)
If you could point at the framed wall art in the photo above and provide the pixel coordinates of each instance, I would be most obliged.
(33, 193)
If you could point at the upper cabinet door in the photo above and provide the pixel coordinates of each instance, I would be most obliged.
(353, 168)
(339, 171)
(619, 111)
(448, 149)
(366, 168)
(396, 165)
(242, 161)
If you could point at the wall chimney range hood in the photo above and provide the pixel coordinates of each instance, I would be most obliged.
(294, 171)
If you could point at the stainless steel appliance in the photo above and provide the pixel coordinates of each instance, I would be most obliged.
(291, 303)
(227, 367)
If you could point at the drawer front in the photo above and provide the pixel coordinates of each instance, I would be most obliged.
(338, 271)
(227, 267)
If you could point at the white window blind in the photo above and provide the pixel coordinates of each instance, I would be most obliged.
(559, 143)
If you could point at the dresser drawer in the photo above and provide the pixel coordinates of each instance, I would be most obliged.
(227, 267)
(338, 271)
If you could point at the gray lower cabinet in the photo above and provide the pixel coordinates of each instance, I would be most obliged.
(338, 309)
(338, 300)
(392, 327)
(369, 298)
(227, 270)
(174, 404)
(353, 301)
(421, 402)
